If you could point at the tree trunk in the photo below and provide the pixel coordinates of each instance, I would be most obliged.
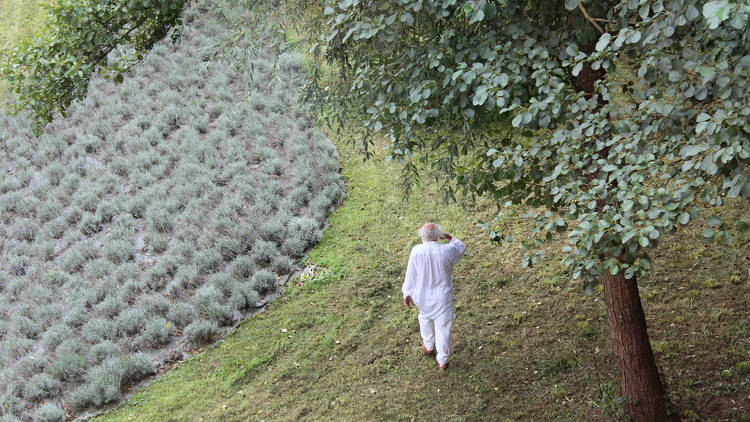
(639, 380)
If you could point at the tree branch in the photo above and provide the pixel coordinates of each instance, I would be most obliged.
(589, 18)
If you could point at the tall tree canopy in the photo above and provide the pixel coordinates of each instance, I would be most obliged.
(53, 69)
(622, 119)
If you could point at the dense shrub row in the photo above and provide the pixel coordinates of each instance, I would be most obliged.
(151, 218)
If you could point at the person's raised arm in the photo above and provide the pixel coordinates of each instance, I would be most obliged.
(456, 248)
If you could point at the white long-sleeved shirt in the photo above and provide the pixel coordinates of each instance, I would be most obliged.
(429, 277)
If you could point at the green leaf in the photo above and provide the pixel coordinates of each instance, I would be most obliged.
(739, 20)
(708, 233)
(517, 120)
(614, 269)
(684, 218)
(713, 221)
(643, 11)
(709, 165)
(634, 37)
(716, 12)
(727, 238)
(643, 241)
(603, 41)
(480, 97)
(577, 68)
(692, 13)
(478, 16)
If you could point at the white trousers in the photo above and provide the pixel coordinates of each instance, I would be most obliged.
(436, 334)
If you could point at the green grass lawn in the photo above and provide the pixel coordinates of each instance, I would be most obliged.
(527, 345)
(18, 21)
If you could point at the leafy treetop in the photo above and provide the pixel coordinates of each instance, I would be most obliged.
(54, 68)
(634, 113)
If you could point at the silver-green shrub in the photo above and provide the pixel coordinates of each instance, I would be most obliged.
(49, 412)
(101, 351)
(201, 332)
(131, 321)
(263, 281)
(136, 367)
(68, 366)
(170, 201)
(208, 302)
(157, 332)
(41, 386)
(181, 314)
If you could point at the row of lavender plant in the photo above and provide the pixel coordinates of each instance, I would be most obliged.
(151, 218)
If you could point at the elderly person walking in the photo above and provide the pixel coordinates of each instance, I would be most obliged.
(429, 285)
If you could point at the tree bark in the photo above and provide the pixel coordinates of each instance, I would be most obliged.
(640, 384)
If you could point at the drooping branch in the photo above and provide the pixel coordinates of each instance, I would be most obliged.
(589, 18)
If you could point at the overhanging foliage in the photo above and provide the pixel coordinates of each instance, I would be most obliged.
(617, 160)
(54, 68)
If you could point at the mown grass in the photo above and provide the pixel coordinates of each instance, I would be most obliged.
(527, 344)
(18, 21)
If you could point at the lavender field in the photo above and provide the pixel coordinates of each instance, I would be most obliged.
(151, 218)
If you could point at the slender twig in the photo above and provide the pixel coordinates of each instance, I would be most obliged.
(589, 18)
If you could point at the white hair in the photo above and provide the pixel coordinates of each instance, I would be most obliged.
(431, 234)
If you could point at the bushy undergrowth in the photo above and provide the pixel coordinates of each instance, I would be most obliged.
(152, 216)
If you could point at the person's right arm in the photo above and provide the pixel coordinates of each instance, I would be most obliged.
(456, 248)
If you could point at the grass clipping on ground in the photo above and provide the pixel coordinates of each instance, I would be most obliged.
(527, 344)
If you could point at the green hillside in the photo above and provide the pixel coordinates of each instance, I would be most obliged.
(18, 20)
(527, 345)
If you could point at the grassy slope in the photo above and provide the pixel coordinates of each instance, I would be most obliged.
(18, 20)
(526, 345)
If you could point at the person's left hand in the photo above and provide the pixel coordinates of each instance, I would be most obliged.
(408, 301)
